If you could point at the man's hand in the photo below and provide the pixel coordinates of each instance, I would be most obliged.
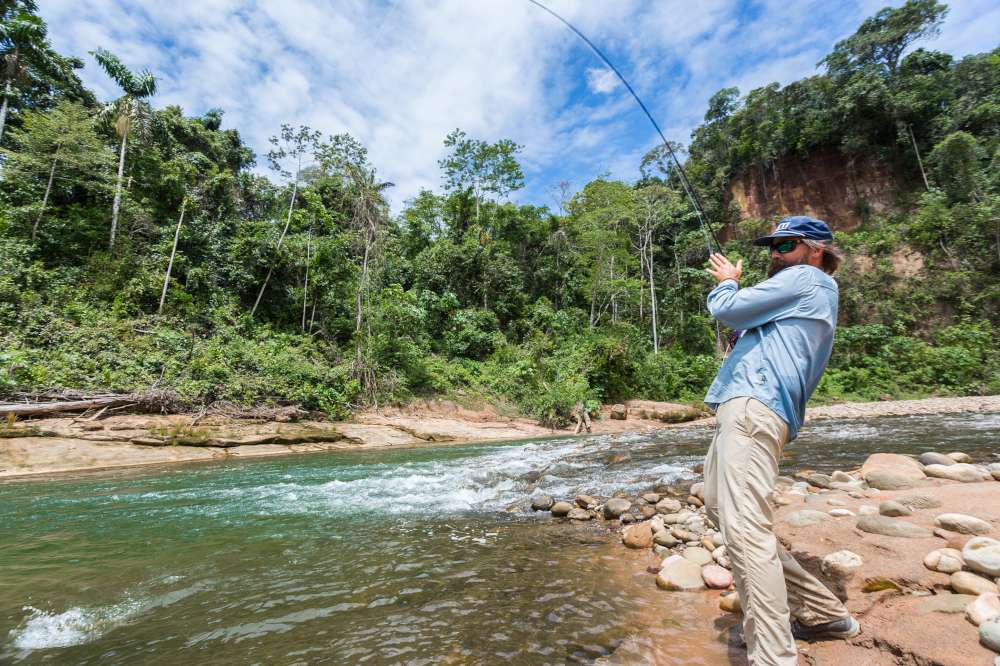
(723, 269)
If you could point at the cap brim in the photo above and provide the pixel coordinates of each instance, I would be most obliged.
(764, 241)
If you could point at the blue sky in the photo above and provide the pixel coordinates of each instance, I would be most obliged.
(399, 75)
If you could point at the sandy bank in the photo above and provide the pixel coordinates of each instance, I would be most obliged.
(72, 444)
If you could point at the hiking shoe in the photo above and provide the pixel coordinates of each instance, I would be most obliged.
(845, 627)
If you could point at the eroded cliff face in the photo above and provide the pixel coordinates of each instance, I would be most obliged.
(827, 185)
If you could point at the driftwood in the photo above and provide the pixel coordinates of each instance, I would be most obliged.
(160, 401)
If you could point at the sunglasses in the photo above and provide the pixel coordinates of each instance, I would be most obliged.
(784, 247)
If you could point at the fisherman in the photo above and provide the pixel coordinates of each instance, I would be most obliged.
(786, 325)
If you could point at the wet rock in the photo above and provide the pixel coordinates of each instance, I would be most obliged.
(891, 471)
(586, 501)
(989, 634)
(681, 574)
(698, 490)
(647, 511)
(841, 564)
(806, 517)
(668, 505)
(944, 560)
(698, 555)
(819, 480)
(982, 555)
(542, 502)
(918, 501)
(715, 577)
(935, 458)
(638, 536)
(840, 513)
(957, 472)
(730, 603)
(665, 538)
(894, 509)
(892, 527)
(560, 509)
(619, 412)
(983, 609)
(960, 457)
(965, 582)
(652, 498)
(577, 513)
(962, 523)
(615, 507)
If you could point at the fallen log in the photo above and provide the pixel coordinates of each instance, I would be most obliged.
(42, 408)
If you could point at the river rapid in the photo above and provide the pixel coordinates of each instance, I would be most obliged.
(417, 556)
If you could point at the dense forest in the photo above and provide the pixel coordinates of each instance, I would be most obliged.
(139, 250)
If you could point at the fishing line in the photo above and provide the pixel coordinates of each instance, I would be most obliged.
(706, 228)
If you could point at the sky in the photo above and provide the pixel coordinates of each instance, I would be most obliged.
(400, 74)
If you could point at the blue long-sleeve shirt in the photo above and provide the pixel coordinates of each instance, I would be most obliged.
(789, 321)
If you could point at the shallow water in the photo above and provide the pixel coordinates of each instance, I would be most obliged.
(419, 556)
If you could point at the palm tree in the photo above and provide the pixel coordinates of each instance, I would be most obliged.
(26, 54)
(130, 110)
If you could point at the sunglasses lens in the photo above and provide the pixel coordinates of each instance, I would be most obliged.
(784, 246)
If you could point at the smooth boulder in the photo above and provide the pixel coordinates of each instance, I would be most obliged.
(965, 582)
(891, 471)
(892, 527)
(680, 574)
(958, 472)
(577, 513)
(989, 634)
(716, 577)
(841, 564)
(934, 458)
(542, 502)
(983, 609)
(962, 523)
(698, 555)
(615, 507)
(668, 505)
(894, 509)
(982, 554)
(944, 560)
(806, 517)
(638, 536)
(731, 603)
(560, 509)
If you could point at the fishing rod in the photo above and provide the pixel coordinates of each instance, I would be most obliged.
(706, 228)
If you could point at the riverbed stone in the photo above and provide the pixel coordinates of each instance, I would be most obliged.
(841, 477)
(730, 603)
(715, 577)
(868, 510)
(619, 412)
(542, 502)
(819, 480)
(647, 511)
(966, 582)
(615, 507)
(560, 509)
(934, 458)
(989, 634)
(841, 564)
(578, 513)
(668, 506)
(682, 534)
(665, 538)
(982, 555)
(894, 509)
(718, 539)
(626, 518)
(960, 457)
(679, 574)
(698, 490)
(698, 555)
(652, 498)
(586, 501)
(840, 513)
(983, 609)
(962, 523)
(891, 471)
(958, 472)
(638, 536)
(919, 501)
(892, 527)
(806, 517)
(944, 560)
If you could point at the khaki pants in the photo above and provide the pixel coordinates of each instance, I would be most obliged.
(740, 472)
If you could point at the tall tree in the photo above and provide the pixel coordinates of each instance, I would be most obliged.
(478, 167)
(129, 111)
(25, 50)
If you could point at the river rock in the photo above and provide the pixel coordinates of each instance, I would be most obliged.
(694, 501)
(945, 560)
(647, 511)
(894, 509)
(715, 577)
(960, 457)
(892, 527)
(619, 412)
(668, 505)
(919, 501)
(707, 544)
(638, 536)
(698, 555)
(841, 564)
(965, 582)
(868, 510)
(626, 518)
(982, 554)
(682, 534)
(891, 471)
(679, 573)
(586, 501)
(560, 509)
(615, 507)
(698, 490)
(652, 498)
(983, 609)
(957, 472)
(718, 539)
(542, 502)
(806, 517)
(730, 603)
(818, 480)
(963, 524)
(841, 477)
(989, 634)
(577, 513)
(665, 538)
(935, 458)
(840, 513)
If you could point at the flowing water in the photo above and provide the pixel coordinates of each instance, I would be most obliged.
(412, 556)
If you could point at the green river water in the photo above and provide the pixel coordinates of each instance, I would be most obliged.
(414, 556)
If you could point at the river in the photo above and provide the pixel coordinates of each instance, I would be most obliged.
(416, 556)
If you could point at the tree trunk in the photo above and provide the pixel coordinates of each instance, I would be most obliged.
(305, 289)
(116, 206)
(45, 199)
(288, 221)
(7, 91)
(39, 408)
(173, 251)
(652, 293)
(920, 162)
(362, 285)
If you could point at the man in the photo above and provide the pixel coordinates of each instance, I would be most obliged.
(787, 324)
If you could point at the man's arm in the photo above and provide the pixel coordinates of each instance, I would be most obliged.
(775, 298)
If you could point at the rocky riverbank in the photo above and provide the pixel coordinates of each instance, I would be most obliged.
(912, 545)
(105, 440)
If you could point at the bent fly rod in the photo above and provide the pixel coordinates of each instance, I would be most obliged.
(706, 228)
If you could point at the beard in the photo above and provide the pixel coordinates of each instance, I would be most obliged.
(779, 263)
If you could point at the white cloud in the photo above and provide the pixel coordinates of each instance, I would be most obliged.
(400, 75)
